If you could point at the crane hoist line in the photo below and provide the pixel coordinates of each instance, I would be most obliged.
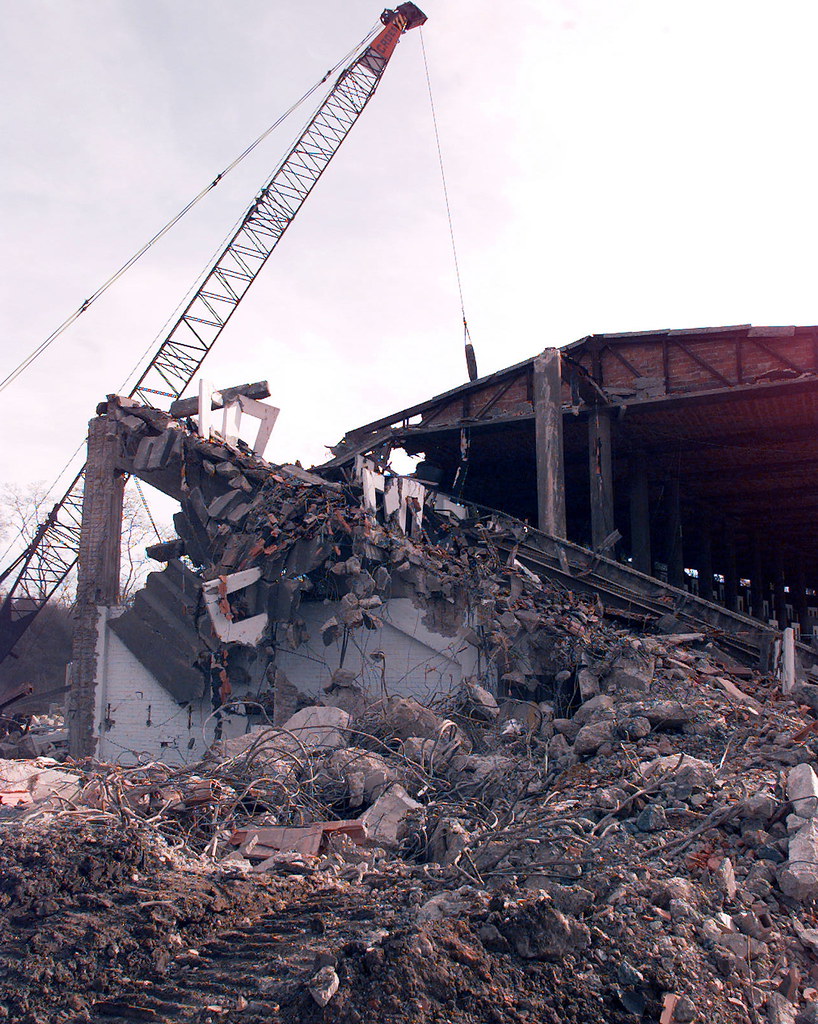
(52, 554)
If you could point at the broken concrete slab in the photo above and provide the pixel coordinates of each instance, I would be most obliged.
(42, 778)
(384, 819)
(802, 790)
(319, 728)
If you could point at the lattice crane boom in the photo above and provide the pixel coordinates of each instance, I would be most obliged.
(43, 567)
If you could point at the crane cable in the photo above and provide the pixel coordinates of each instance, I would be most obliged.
(470, 358)
(38, 351)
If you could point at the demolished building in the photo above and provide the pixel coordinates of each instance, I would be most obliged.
(286, 586)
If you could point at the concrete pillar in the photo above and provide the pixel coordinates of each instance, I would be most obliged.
(779, 597)
(730, 568)
(599, 455)
(673, 540)
(758, 581)
(798, 597)
(705, 560)
(640, 513)
(97, 576)
(547, 395)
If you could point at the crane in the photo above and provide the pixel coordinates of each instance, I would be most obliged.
(52, 553)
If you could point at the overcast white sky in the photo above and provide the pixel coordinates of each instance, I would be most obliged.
(613, 165)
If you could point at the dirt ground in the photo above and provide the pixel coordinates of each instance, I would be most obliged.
(97, 926)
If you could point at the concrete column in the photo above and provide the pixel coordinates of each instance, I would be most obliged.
(779, 597)
(640, 513)
(730, 568)
(798, 597)
(758, 581)
(599, 455)
(705, 560)
(97, 576)
(673, 540)
(547, 394)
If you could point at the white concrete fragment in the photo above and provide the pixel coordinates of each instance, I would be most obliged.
(802, 790)
(247, 631)
(319, 728)
(798, 878)
(383, 819)
(788, 677)
(323, 985)
(40, 778)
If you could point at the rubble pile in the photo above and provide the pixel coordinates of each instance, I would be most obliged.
(650, 852)
(266, 541)
(591, 823)
(33, 735)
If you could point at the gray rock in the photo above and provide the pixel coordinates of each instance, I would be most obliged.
(591, 737)
(597, 708)
(652, 819)
(628, 975)
(779, 1009)
(685, 1011)
(635, 728)
(802, 790)
(798, 878)
(631, 673)
(808, 1014)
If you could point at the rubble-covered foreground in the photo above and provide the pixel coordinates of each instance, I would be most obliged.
(652, 855)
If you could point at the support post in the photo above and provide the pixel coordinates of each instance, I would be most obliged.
(798, 593)
(730, 568)
(98, 576)
(675, 553)
(547, 396)
(705, 562)
(599, 455)
(780, 597)
(758, 581)
(788, 667)
(640, 513)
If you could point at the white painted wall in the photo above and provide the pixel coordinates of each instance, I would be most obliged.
(138, 720)
(419, 663)
(128, 697)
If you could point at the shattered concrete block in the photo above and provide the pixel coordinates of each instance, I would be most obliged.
(597, 708)
(366, 774)
(588, 683)
(802, 790)
(631, 673)
(430, 753)
(798, 878)
(40, 778)
(478, 702)
(319, 728)
(323, 985)
(384, 818)
(448, 841)
(591, 737)
(405, 718)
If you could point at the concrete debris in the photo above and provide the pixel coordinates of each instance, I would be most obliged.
(537, 813)
(323, 985)
(384, 819)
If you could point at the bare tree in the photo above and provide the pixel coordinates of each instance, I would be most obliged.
(24, 507)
